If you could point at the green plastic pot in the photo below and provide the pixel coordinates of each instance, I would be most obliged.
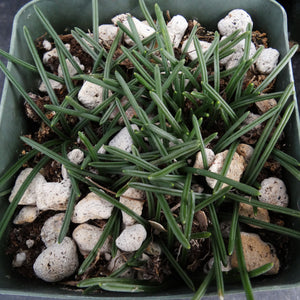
(268, 16)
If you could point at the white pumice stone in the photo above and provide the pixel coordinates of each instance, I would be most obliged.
(197, 188)
(252, 135)
(51, 229)
(143, 29)
(153, 249)
(134, 200)
(107, 33)
(57, 262)
(19, 260)
(123, 139)
(235, 171)
(256, 253)
(117, 262)
(223, 268)
(267, 60)
(245, 150)
(47, 45)
(29, 243)
(52, 54)
(101, 150)
(86, 237)
(71, 70)
(90, 95)
(26, 215)
(233, 59)
(30, 196)
(235, 19)
(54, 84)
(91, 207)
(191, 50)
(176, 29)
(54, 195)
(75, 156)
(210, 155)
(273, 191)
(131, 238)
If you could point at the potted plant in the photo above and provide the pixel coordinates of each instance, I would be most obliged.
(184, 125)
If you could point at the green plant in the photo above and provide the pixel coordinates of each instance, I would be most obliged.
(157, 87)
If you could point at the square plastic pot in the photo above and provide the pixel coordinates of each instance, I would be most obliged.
(268, 16)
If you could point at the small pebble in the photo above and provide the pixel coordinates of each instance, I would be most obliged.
(123, 139)
(54, 195)
(143, 29)
(245, 150)
(223, 268)
(252, 135)
(273, 191)
(265, 105)
(107, 33)
(210, 155)
(134, 200)
(19, 260)
(86, 237)
(246, 210)
(191, 50)
(47, 45)
(131, 238)
(51, 229)
(75, 156)
(235, 171)
(90, 95)
(117, 262)
(57, 262)
(71, 70)
(29, 243)
(26, 215)
(257, 253)
(267, 61)
(176, 29)
(54, 84)
(30, 196)
(91, 207)
(130, 112)
(235, 19)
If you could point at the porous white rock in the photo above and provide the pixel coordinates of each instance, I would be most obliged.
(26, 215)
(256, 253)
(234, 20)
(47, 45)
(191, 50)
(176, 29)
(235, 171)
(233, 59)
(131, 238)
(117, 262)
(107, 33)
(273, 191)
(30, 196)
(49, 55)
(91, 207)
(143, 29)
(86, 237)
(71, 70)
(75, 156)
(57, 262)
(252, 135)
(245, 150)
(51, 229)
(29, 243)
(90, 95)
(53, 195)
(134, 200)
(122, 139)
(210, 156)
(267, 60)
(54, 84)
(223, 268)
(19, 259)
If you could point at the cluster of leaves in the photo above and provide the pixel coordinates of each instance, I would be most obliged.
(158, 88)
